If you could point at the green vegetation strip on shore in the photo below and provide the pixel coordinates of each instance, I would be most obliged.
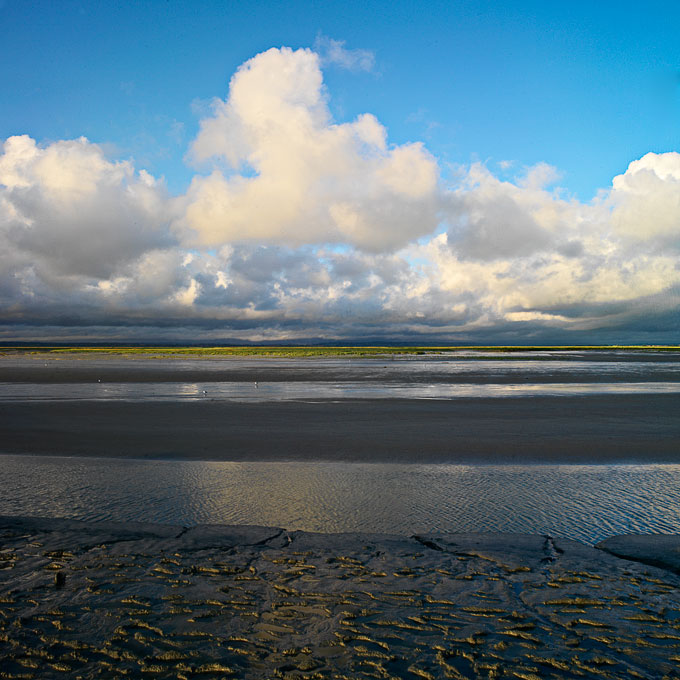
(330, 351)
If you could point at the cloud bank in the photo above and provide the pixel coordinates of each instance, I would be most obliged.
(299, 226)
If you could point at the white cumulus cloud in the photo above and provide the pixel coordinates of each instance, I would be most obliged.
(293, 176)
(70, 211)
(646, 202)
(493, 219)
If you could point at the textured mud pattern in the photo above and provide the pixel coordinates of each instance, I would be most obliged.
(97, 600)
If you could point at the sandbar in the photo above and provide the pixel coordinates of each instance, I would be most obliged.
(587, 429)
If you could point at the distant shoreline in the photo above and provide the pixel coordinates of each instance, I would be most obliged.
(319, 350)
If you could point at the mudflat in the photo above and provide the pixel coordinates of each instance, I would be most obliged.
(587, 429)
(102, 600)
(99, 599)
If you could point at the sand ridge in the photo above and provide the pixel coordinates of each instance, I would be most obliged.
(591, 429)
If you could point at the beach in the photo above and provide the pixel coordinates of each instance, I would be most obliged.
(339, 340)
(319, 439)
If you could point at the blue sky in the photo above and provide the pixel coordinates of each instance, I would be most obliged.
(584, 86)
(522, 112)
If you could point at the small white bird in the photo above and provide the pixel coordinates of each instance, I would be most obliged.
(256, 384)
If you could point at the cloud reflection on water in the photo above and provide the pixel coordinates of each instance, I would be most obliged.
(583, 502)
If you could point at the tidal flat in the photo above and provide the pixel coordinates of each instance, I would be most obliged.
(183, 599)
(547, 405)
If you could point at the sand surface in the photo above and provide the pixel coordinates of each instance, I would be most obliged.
(140, 600)
(588, 429)
(540, 428)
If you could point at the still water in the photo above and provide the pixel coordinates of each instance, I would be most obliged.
(584, 502)
(252, 392)
(311, 391)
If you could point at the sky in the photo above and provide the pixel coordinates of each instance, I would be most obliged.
(449, 172)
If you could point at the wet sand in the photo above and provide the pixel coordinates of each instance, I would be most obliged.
(142, 600)
(587, 429)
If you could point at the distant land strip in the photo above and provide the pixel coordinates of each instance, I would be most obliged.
(327, 350)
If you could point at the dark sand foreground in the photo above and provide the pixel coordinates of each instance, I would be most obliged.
(101, 600)
(587, 429)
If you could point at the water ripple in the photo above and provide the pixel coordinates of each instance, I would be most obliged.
(583, 502)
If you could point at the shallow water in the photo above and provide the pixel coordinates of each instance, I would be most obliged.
(587, 503)
(583, 502)
(310, 391)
